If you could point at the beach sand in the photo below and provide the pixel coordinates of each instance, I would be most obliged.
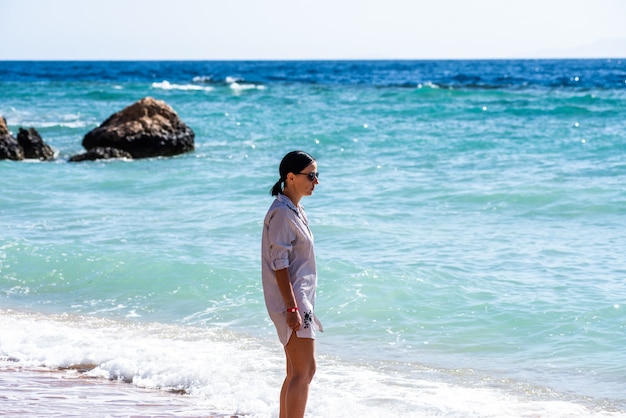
(50, 393)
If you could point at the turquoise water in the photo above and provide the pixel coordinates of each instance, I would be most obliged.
(469, 228)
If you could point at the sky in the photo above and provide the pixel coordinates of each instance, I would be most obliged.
(319, 29)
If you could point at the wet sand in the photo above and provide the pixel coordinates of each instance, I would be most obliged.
(46, 393)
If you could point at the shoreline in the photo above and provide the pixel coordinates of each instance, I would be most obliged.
(67, 393)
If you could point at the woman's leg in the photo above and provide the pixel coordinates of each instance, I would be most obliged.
(283, 390)
(300, 354)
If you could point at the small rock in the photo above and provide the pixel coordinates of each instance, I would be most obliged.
(9, 147)
(101, 153)
(33, 145)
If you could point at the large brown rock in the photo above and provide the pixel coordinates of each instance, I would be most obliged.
(147, 128)
(9, 147)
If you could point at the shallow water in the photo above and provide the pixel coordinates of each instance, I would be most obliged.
(45, 393)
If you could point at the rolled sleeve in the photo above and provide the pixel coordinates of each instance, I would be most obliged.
(280, 264)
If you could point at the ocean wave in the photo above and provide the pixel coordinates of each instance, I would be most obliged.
(233, 83)
(203, 79)
(429, 85)
(27, 119)
(54, 124)
(207, 364)
(245, 86)
(166, 85)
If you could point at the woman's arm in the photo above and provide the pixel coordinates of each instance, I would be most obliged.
(294, 320)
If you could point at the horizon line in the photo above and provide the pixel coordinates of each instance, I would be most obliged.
(304, 59)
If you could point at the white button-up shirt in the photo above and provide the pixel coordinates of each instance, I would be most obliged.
(287, 242)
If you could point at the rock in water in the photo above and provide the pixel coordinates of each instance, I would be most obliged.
(147, 128)
(100, 153)
(33, 146)
(9, 147)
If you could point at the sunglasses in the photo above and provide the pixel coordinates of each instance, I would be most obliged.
(312, 176)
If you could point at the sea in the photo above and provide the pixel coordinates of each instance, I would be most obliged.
(469, 223)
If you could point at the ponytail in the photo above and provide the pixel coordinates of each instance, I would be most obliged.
(278, 187)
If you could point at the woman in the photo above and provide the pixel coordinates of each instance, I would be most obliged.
(290, 277)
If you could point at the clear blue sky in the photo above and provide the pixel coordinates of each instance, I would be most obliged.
(320, 29)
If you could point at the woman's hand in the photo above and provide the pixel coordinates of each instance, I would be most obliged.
(294, 320)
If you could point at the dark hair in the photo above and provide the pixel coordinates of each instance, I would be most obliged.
(293, 162)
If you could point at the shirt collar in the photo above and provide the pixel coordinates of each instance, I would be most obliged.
(285, 200)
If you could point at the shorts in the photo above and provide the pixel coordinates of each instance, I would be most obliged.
(310, 324)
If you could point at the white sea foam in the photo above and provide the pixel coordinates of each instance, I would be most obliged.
(166, 85)
(428, 84)
(244, 86)
(238, 85)
(202, 79)
(28, 119)
(242, 375)
(52, 124)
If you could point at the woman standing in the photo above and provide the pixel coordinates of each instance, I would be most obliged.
(290, 277)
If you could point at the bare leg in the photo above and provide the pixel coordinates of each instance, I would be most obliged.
(283, 390)
(300, 353)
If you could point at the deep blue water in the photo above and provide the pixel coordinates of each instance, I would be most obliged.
(479, 74)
